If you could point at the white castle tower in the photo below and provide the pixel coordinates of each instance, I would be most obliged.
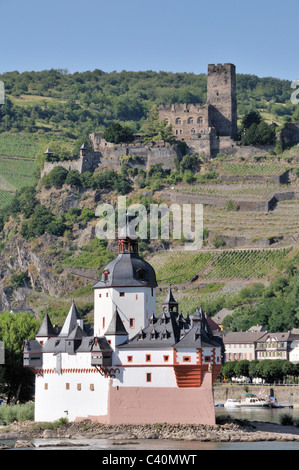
(128, 284)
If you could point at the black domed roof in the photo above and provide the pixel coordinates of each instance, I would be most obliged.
(128, 269)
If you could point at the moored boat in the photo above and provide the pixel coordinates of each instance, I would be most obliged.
(232, 403)
(253, 401)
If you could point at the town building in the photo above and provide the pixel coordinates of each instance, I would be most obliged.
(257, 343)
(139, 366)
(241, 345)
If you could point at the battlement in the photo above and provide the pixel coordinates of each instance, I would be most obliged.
(219, 68)
(182, 108)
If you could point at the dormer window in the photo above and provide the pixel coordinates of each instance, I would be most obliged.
(141, 273)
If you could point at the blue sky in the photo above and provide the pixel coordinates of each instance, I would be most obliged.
(260, 37)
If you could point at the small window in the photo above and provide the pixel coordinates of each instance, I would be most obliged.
(207, 358)
(104, 321)
(79, 387)
(67, 386)
(130, 358)
(132, 322)
(186, 359)
(121, 294)
(166, 358)
(107, 294)
(100, 295)
(91, 387)
(178, 121)
(148, 377)
(46, 387)
(147, 358)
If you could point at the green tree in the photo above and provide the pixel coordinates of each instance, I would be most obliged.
(117, 134)
(16, 381)
(56, 178)
(154, 130)
(73, 178)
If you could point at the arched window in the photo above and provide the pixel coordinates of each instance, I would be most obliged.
(192, 131)
(190, 120)
(178, 121)
(200, 120)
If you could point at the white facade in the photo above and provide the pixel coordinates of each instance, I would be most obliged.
(134, 304)
(78, 390)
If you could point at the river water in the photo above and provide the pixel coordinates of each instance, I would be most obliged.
(143, 449)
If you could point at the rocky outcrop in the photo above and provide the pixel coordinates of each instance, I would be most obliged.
(229, 431)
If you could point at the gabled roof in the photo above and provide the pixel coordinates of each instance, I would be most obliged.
(77, 333)
(242, 337)
(116, 326)
(71, 321)
(46, 329)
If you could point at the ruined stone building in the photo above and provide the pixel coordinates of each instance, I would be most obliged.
(211, 127)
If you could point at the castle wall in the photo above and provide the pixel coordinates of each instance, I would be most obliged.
(220, 112)
(187, 120)
(85, 162)
(147, 405)
(136, 154)
(78, 389)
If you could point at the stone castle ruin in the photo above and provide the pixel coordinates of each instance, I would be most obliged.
(207, 129)
(212, 127)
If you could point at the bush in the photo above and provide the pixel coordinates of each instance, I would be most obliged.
(56, 178)
(116, 133)
(286, 419)
(11, 413)
(231, 206)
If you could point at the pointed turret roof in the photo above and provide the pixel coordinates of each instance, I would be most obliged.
(116, 326)
(46, 329)
(71, 321)
(170, 298)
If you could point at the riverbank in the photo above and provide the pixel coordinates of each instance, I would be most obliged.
(283, 394)
(229, 431)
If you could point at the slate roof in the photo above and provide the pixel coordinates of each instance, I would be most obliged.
(71, 321)
(171, 330)
(124, 271)
(116, 326)
(82, 343)
(46, 328)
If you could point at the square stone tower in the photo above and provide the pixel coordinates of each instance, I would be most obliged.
(221, 96)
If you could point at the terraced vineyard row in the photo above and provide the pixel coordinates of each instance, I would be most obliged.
(5, 198)
(19, 145)
(235, 190)
(252, 169)
(245, 264)
(220, 265)
(16, 173)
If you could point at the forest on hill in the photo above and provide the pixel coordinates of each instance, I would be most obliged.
(72, 105)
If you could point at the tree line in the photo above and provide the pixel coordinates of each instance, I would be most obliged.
(268, 370)
(92, 101)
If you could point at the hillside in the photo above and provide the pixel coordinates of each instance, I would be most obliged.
(47, 258)
(56, 103)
